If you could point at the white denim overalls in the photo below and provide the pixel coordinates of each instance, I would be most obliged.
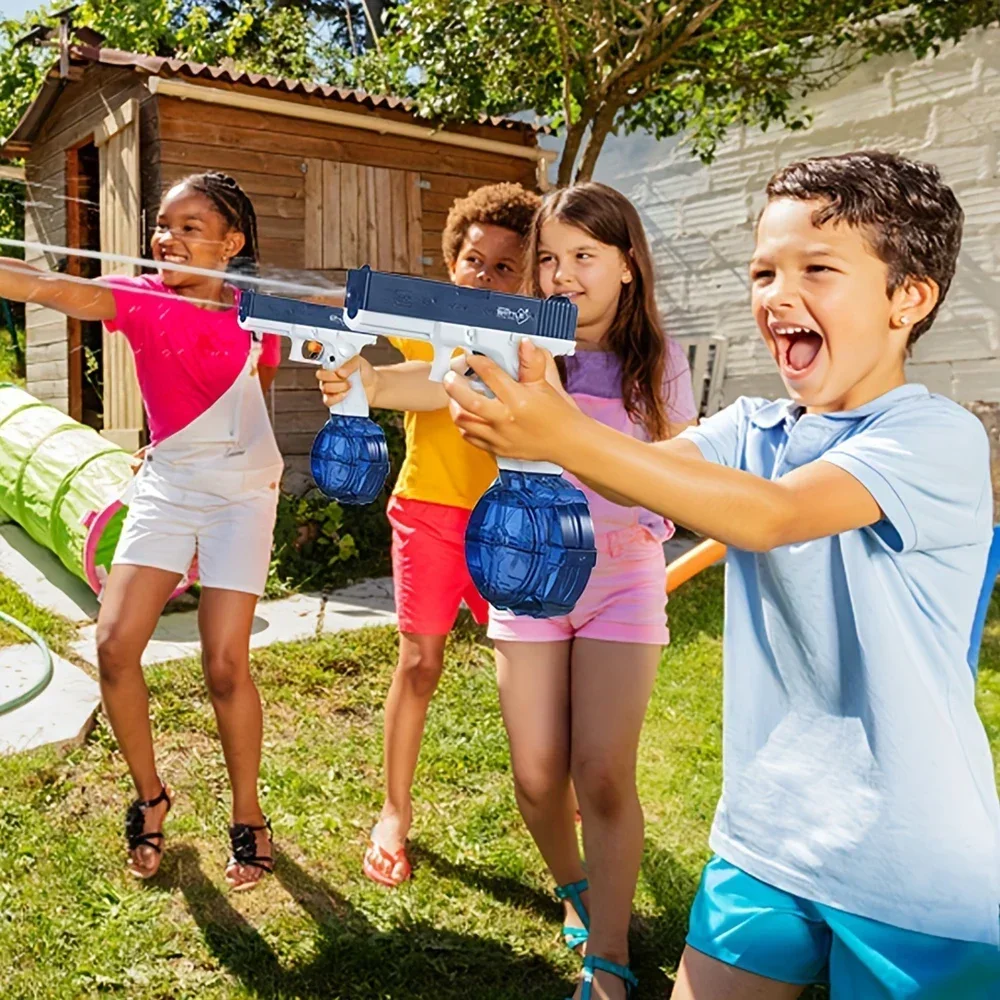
(211, 490)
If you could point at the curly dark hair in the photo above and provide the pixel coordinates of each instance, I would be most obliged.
(235, 207)
(636, 336)
(912, 220)
(506, 205)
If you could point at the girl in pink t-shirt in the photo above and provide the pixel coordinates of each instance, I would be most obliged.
(208, 485)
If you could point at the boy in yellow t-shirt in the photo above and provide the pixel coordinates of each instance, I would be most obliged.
(441, 480)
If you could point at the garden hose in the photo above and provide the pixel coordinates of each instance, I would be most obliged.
(40, 685)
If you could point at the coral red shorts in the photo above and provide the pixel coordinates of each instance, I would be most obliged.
(428, 566)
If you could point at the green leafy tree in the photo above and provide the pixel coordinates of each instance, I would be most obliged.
(307, 40)
(593, 68)
(21, 72)
(265, 36)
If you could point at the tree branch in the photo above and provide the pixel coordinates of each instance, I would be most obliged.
(816, 79)
(646, 38)
(655, 64)
(371, 26)
(565, 50)
(604, 46)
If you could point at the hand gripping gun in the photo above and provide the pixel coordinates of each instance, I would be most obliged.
(349, 457)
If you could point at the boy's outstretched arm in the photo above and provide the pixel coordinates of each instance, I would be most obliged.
(529, 420)
(405, 386)
(23, 282)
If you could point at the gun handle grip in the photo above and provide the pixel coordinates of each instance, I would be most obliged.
(441, 364)
(355, 403)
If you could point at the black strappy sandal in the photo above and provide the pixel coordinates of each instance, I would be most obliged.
(243, 838)
(135, 834)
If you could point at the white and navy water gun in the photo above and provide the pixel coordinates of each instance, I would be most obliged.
(448, 316)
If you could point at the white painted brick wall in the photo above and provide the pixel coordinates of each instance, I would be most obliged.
(944, 109)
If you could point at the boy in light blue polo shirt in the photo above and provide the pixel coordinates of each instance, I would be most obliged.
(857, 839)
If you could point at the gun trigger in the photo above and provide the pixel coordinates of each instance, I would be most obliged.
(470, 373)
(439, 367)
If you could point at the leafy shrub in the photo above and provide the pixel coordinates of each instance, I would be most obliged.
(320, 545)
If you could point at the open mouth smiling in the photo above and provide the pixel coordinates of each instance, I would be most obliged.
(797, 346)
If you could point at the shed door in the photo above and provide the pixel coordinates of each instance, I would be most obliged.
(117, 139)
(359, 215)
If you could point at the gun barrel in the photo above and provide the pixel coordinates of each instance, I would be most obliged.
(425, 300)
(256, 308)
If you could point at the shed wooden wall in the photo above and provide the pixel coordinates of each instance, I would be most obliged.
(269, 155)
(77, 112)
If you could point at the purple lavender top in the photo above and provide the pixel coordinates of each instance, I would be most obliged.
(594, 380)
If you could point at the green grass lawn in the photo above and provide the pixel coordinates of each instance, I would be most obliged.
(16, 603)
(478, 921)
(10, 368)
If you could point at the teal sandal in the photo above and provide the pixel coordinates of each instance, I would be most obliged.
(594, 963)
(575, 936)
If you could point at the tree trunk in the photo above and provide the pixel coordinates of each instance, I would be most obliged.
(375, 9)
(574, 138)
(599, 129)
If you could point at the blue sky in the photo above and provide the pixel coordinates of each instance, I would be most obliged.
(16, 8)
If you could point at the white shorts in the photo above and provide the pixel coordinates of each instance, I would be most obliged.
(166, 526)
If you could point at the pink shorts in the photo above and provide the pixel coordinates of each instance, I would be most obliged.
(625, 600)
(428, 566)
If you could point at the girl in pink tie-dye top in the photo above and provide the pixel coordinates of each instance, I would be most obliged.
(574, 690)
(208, 485)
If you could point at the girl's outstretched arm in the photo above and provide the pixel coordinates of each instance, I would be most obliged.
(23, 282)
(529, 420)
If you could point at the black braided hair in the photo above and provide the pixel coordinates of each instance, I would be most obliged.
(232, 203)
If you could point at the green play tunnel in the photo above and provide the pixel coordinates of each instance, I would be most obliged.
(62, 482)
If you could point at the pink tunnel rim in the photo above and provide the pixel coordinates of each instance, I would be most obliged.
(96, 522)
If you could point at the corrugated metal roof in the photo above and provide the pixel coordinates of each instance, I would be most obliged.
(164, 66)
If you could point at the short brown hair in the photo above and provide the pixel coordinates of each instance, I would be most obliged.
(507, 205)
(911, 218)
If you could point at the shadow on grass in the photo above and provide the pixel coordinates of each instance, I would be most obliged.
(658, 941)
(354, 959)
(655, 942)
(503, 889)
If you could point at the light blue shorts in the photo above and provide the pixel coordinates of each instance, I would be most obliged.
(746, 923)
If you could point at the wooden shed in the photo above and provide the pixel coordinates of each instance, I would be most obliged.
(339, 178)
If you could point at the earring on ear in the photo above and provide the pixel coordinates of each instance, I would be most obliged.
(904, 320)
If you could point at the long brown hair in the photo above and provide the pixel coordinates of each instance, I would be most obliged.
(636, 335)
